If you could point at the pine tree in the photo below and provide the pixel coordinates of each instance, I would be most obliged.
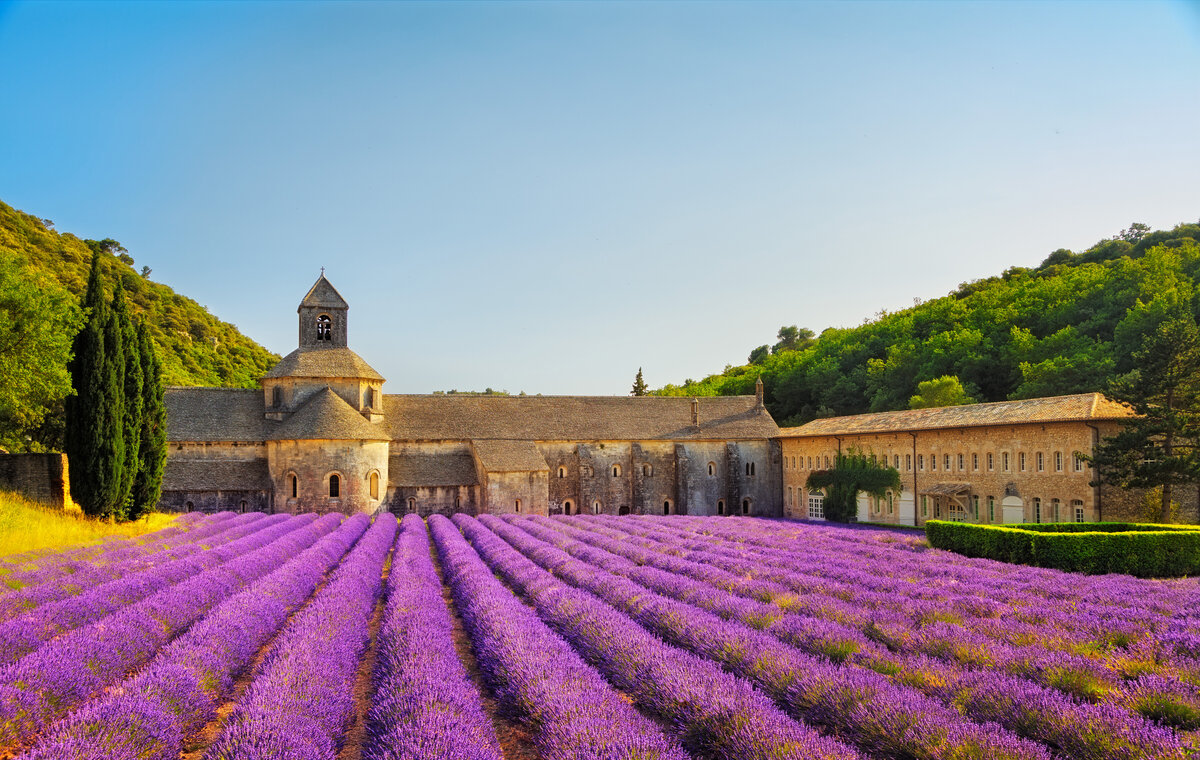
(152, 442)
(1160, 447)
(639, 385)
(131, 396)
(89, 415)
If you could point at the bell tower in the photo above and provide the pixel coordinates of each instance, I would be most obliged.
(322, 317)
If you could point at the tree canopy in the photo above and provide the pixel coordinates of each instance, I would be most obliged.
(946, 390)
(1069, 325)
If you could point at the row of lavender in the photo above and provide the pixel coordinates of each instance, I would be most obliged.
(717, 580)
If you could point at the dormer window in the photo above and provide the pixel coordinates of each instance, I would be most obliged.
(277, 396)
(324, 328)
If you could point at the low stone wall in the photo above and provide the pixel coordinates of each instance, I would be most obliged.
(40, 477)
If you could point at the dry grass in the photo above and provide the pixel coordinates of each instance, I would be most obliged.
(28, 526)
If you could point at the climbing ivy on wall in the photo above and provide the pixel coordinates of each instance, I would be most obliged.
(853, 472)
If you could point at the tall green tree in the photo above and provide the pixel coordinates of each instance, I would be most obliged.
(639, 385)
(131, 395)
(93, 422)
(152, 441)
(1159, 447)
(853, 473)
(39, 318)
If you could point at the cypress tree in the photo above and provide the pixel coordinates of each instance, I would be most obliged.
(131, 386)
(85, 428)
(152, 442)
(112, 443)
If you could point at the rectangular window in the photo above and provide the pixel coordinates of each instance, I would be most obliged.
(991, 462)
(1021, 461)
(1004, 458)
(1078, 463)
(933, 462)
(891, 506)
(975, 462)
(960, 463)
(816, 507)
(1041, 464)
(921, 462)
(1078, 505)
(946, 463)
(896, 461)
(975, 505)
(1037, 510)
(924, 506)
(1058, 461)
(1054, 503)
(991, 509)
(908, 462)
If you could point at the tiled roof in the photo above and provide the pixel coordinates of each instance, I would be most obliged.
(509, 456)
(323, 294)
(226, 414)
(216, 475)
(324, 362)
(1082, 406)
(327, 417)
(574, 418)
(214, 414)
(431, 470)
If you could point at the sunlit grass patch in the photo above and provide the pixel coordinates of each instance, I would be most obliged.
(30, 526)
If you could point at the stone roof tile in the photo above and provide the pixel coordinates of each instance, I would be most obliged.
(509, 456)
(327, 417)
(214, 414)
(322, 363)
(216, 475)
(1081, 406)
(428, 470)
(323, 295)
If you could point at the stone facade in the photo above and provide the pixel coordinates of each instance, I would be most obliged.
(1009, 462)
(321, 435)
(39, 477)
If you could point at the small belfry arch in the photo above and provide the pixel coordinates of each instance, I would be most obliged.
(324, 328)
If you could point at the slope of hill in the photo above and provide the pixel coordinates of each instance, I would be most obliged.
(1067, 326)
(45, 269)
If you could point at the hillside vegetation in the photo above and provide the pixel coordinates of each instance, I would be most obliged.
(43, 274)
(1069, 325)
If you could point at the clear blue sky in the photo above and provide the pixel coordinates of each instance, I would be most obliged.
(546, 196)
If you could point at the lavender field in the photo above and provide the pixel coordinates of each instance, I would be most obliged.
(280, 637)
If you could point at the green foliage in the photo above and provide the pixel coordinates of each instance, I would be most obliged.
(39, 319)
(793, 338)
(946, 390)
(131, 395)
(1068, 326)
(1147, 551)
(639, 385)
(759, 355)
(51, 271)
(853, 472)
(152, 438)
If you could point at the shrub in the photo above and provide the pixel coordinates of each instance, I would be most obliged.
(1147, 551)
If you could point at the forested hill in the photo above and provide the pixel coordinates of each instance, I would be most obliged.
(196, 348)
(1066, 326)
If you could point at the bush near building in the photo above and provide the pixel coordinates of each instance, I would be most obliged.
(1143, 550)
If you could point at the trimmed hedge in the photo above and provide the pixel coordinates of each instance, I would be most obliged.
(1147, 551)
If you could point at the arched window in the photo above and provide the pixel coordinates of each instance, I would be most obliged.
(712, 468)
(374, 485)
(567, 507)
(745, 506)
(720, 506)
(335, 487)
(412, 504)
(596, 507)
(616, 470)
(667, 507)
(647, 471)
(1054, 503)
(457, 502)
(518, 509)
(277, 396)
(562, 471)
(1037, 510)
(295, 486)
(189, 506)
(243, 505)
(324, 328)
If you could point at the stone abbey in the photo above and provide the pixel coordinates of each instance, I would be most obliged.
(321, 435)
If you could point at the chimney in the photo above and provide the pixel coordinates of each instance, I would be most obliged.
(758, 393)
(696, 412)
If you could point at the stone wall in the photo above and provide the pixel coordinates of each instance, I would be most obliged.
(433, 500)
(314, 463)
(215, 501)
(39, 477)
(999, 464)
